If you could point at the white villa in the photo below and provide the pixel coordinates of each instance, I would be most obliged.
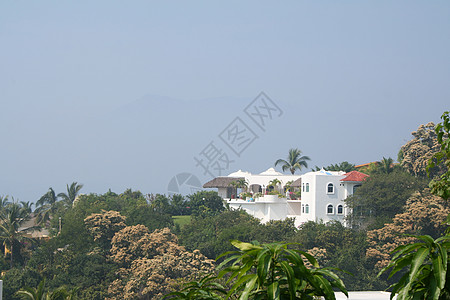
(322, 194)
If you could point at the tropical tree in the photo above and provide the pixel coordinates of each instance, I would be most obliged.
(386, 165)
(426, 262)
(417, 152)
(441, 185)
(11, 219)
(295, 161)
(4, 201)
(72, 193)
(240, 183)
(34, 293)
(273, 271)
(273, 184)
(204, 289)
(343, 166)
(39, 293)
(46, 206)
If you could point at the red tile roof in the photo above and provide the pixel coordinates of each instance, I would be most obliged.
(355, 176)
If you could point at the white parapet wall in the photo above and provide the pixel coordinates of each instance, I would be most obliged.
(268, 207)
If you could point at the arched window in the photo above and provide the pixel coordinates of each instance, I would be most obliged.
(307, 187)
(330, 209)
(330, 188)
(340, 209)
(303, 208)
(306, 209)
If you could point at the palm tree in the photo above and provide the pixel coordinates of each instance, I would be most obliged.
(39, 293)
(294, 161)
(27, 206)
(386, 165)
(47, 206)
(72, 193)
(11, 219)
(33, 293)
(240, 183)
(4, 201)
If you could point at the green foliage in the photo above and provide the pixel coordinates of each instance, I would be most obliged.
(342, 247)
(160, 203)
(89, 271)
(205, 203)
(211, 235)
(427, 262)
(72, 193)
(131, 204)
(12, 217)
(146, 215)
(39, 293)
(204, 289)
(240, 183)
(295, 161)
(178, 205)
(272, 271)
(441, 186)
(17, 278)
(381, 197)
(344, 166)
(386, 165)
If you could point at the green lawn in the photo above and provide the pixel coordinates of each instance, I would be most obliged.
(181, 220)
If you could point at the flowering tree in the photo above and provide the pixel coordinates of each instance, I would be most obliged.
(417, 152)
(426, 262)
(424, 214)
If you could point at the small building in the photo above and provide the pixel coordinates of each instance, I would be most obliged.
(322, 194)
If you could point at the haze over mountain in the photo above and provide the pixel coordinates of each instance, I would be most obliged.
(78, 86)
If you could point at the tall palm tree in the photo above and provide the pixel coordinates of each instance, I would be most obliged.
(11, 219)
(4, 201)
(386, 165)
(72, 193)
(294, 161)
(46, 205)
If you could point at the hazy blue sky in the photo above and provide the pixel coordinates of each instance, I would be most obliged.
(116, 94)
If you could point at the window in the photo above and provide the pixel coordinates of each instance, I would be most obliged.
(330, 209)
(340, 209)
(307, 187)
(303, 187)
(355, 188)
(330, 188)
(303, 208)
(306, 209)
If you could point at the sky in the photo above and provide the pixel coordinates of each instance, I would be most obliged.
(119, 95)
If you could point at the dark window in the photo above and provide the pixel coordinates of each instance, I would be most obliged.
(340, 209)
(330, 188)
(329, 209)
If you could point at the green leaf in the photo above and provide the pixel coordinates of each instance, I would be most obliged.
(326, 288)
(248, 288)
(273, 291)
(439, 269)
(263, 267)
(244, 246)
(416, 263)
(337, 282)
(292, 285)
